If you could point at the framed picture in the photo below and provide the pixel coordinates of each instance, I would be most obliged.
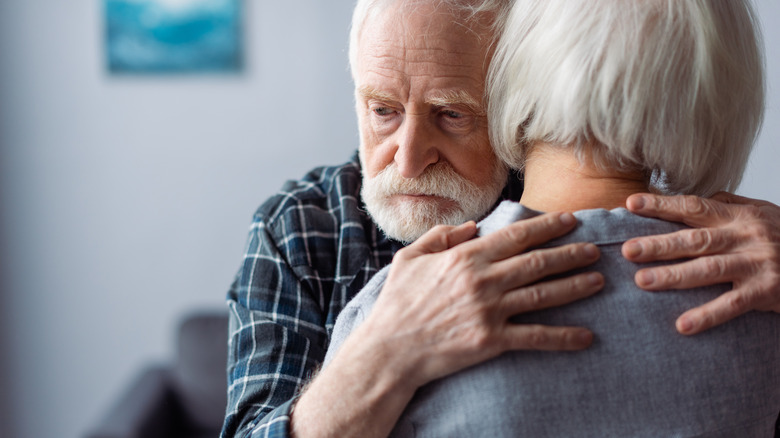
(173, 36)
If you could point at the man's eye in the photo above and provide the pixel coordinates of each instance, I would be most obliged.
(382, 111)
(456, 121)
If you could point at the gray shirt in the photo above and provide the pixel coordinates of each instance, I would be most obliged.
(639, 378)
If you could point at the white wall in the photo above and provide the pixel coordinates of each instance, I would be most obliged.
(761, 178)
(125, 201)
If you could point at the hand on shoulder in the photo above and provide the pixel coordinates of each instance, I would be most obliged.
(734, 239)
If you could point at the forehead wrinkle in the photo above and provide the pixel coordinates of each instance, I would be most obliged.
(425, 47)
(401, 57)
(444, 56)
(400, 66)
(393, 67)
(438, 49)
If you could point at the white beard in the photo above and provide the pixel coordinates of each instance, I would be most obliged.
(407, 219)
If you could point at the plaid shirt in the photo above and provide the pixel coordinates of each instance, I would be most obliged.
(311, 248)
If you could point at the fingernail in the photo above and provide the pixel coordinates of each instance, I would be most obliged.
(639, 202)
(585, 337)
(684, 325)
(632, 249)
(591, 251)
(594, 279)
(645, 278)
(568, 219)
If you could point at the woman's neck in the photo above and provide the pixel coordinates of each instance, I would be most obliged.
(555, 180)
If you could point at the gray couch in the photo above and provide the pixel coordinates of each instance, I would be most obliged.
(184, 399)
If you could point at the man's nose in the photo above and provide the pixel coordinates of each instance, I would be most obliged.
(416, 147)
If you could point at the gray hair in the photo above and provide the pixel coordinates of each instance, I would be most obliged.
(672, 87)
(467, 12)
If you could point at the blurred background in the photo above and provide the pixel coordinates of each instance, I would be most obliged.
(125, 199)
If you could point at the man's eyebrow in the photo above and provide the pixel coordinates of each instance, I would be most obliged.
(372, 93)
(449, 98)
(461, 98)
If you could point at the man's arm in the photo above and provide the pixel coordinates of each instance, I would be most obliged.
(446, 306)
(276, 339)
(735, 239)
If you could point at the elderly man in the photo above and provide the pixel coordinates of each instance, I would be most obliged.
(628, 112)
(419, 70)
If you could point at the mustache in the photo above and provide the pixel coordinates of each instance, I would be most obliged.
(439, 179)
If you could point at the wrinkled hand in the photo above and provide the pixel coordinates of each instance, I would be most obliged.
(447, 300)
(735, 239)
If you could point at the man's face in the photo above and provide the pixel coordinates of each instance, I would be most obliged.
(425, 152)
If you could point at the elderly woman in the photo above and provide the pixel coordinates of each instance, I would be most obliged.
(596, 100)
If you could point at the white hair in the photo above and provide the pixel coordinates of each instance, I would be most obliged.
(672, 87)
(466, 12)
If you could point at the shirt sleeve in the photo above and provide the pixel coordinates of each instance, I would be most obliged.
(277, 338)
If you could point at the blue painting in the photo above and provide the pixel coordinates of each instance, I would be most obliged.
(173, 36)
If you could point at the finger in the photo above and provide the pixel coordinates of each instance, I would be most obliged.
(440, 238)
(691, 210)
(521, 235)
(680, 244)
(532, 266)
(718, 311)
(730, 198)
(550, 293)
(539, 337)
(461, 233)
(704, 271)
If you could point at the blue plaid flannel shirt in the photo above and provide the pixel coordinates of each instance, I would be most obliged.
(311, 248)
